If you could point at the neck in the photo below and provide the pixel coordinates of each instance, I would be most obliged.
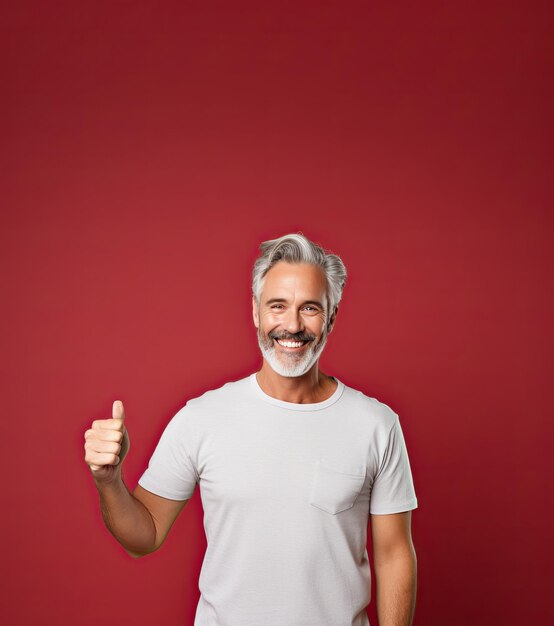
(313, 386)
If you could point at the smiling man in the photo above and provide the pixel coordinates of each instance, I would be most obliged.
(291, 463)
(293, 323)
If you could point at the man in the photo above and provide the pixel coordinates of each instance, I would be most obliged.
(291, 465)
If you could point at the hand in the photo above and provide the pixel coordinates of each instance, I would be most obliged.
(107, 444)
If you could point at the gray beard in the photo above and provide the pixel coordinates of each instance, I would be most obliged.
(290, 365)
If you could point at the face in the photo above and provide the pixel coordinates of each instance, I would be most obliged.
(292, 320)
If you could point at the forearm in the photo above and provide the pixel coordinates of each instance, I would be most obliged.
(127, 518)
(396, 586)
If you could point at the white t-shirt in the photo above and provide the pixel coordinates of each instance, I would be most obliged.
(287, 490)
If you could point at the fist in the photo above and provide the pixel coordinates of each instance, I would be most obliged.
(107, 444)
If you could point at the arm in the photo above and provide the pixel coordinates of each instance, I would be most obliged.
(395, 565)
(139, 521)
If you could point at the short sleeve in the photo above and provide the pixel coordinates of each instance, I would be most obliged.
(393, 487)
(171, 473)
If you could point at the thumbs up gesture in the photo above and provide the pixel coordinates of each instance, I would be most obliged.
(107, 444)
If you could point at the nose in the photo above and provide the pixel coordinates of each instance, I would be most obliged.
(293, 323)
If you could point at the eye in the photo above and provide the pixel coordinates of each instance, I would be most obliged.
(274, 306)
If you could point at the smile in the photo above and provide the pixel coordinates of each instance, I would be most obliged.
(291, 345)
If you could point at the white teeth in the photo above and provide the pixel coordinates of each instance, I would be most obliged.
(290, 344)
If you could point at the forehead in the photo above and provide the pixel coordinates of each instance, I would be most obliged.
(294, 280)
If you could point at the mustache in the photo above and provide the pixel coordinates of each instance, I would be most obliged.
(297, 337)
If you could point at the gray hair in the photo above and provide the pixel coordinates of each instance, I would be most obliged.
(296, 248)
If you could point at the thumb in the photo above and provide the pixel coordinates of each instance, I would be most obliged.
(118, 411)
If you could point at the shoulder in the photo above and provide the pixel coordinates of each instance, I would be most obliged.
(218, 397)
(205, 410)
(371, 409)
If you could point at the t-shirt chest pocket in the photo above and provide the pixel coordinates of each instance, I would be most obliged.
(336, 486)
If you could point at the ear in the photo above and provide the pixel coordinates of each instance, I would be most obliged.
(331, 322)
(255, 313)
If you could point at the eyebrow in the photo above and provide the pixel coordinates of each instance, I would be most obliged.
(272, 300)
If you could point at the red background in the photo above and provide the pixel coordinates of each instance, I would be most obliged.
(148, 148)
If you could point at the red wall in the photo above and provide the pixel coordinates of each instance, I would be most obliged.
(148, 148)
